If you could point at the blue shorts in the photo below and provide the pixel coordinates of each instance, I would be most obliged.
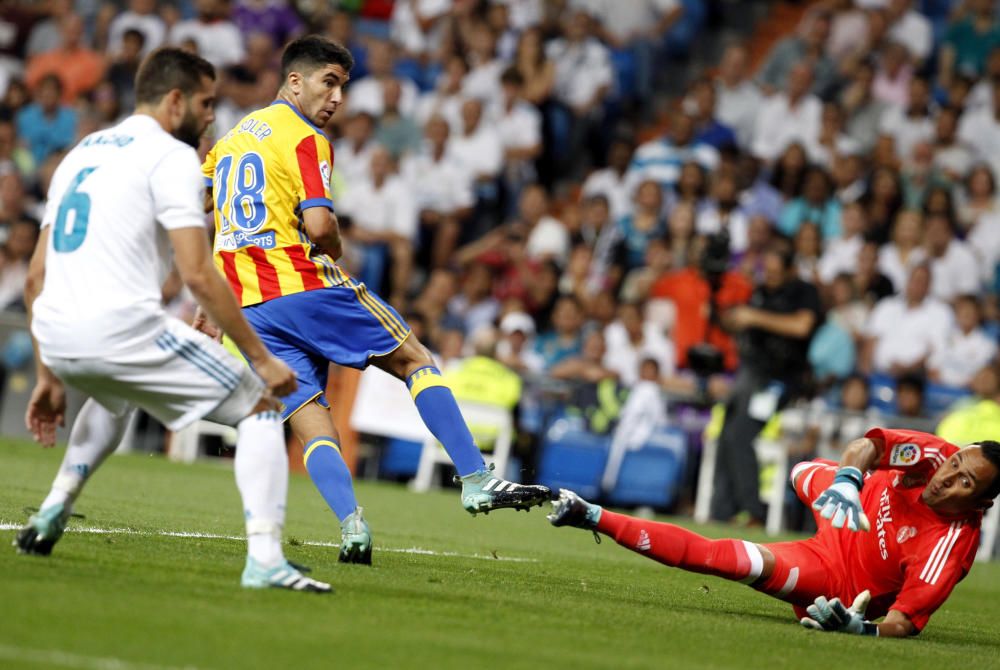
(345, 325)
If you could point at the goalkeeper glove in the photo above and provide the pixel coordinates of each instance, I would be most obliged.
(841, 501)
(831, 615)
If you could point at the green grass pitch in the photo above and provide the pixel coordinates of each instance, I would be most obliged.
(121, 601)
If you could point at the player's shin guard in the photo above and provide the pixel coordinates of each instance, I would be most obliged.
(680, 548)
(440, 414)
(261, 468)
(95, 434)
(330, 475)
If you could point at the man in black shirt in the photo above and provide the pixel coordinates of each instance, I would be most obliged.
(774, 332)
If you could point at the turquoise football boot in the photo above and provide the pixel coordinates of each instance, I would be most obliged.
(483, 492)
(283, 576)
(43, 530)
(355, 539)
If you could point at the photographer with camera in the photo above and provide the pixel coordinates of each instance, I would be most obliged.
(700, 293)
(773, 331)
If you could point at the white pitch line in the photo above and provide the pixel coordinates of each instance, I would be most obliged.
(419, 551)
(65, 659)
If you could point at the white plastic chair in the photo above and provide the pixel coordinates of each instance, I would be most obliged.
(706, 481)
(186, 444)
(775, 452)
(988, 539)
(487, 421)
(768, 452)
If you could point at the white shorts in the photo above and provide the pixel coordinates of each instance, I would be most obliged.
(179, 377)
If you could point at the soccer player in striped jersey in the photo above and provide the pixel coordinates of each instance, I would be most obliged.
(276, 242)
(912, 505)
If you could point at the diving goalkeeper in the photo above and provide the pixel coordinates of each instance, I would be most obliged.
(898, 525)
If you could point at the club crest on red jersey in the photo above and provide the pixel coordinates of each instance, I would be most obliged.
(905, 533)
(904, 454)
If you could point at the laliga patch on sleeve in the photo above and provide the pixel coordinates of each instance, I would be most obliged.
(324, 169)
(904, 454)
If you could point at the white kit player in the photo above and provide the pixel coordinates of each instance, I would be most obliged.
(120, 203)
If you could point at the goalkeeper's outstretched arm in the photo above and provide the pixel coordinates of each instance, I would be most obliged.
(841, 502)
(833, 617)
(863, 453)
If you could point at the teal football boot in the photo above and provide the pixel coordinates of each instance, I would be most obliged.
(483, 492)
(283, 576)
(355, 539)
(43, 530)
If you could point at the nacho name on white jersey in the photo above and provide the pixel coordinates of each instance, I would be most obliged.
(112, 200)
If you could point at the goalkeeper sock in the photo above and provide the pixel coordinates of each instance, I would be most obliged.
(261, 468)
(440, 414)
(680, 548)
(330, 475)
(95, 434)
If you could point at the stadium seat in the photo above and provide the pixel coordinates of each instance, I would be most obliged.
(775, 453)
(652, 474)
(882, 391)
(496, 422)
(399, 459)
(938, 397)
(186, 444)
(683, 34)
(574, 459)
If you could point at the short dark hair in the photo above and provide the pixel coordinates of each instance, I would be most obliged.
(783, 249)
(167, 69)
(133, 34)
(566, 297)
(854, 377)
(240, 74)
(313, 51)
(512, 76)
(971, 299)
(53, 80)
(991, 450)
(649, 360)
(913, 381)
(952, 109)
(985, 168)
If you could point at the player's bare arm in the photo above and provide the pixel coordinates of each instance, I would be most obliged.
(896, 624)
(193, 258)
(172, 286)
(201, 322)
(863, 453)
(324, 231)
(47, 406)
(841, 502)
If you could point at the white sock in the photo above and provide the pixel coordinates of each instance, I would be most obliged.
(265, 549)
(95, 434)
(261, 467)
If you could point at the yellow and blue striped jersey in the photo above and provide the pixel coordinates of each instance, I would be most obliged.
(263, 174)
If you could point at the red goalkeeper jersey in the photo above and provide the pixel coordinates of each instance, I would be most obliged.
(913, 557)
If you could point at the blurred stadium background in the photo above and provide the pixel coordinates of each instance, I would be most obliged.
(564, 197)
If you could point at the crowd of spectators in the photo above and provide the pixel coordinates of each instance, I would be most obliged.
(513, 165)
